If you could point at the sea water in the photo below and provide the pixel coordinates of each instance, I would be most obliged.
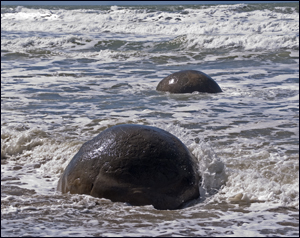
(68, 73)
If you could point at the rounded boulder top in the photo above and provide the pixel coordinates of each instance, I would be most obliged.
(137, 164)
(188, 81)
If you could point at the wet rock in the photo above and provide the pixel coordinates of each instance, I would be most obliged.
(188, 81)
(137, 164)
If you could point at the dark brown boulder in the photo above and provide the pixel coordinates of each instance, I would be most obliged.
(188, 81)
(137, 164)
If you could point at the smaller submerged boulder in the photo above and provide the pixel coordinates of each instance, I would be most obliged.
(188, 81)
(137, 164)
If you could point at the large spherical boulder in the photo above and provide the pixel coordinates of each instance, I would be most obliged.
(188, 81)
(137, 164)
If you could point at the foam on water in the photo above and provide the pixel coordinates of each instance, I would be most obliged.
(35, 152)
(203, 28)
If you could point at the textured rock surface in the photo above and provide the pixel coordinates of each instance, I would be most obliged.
(138, 164)
(188, 81)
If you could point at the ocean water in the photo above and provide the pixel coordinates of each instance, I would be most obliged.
(69, 72)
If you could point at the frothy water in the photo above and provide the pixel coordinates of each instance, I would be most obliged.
(68, 73)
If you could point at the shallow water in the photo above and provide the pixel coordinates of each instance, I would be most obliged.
(68, 73)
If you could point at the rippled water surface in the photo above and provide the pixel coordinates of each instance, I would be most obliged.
(68, 73)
